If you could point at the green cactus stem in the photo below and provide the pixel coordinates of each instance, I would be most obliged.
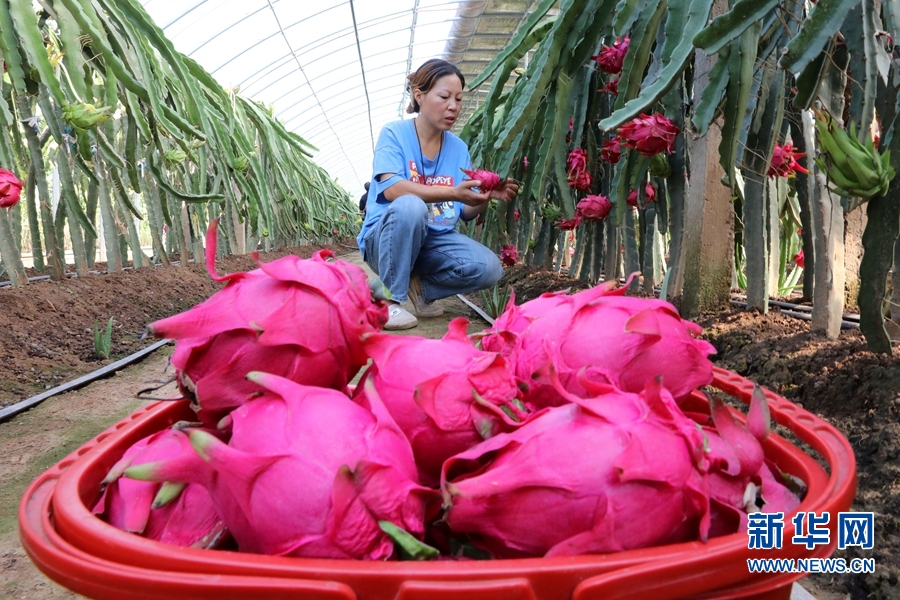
(801, 186)
(54, 244)
(823, 22)
(878, 240)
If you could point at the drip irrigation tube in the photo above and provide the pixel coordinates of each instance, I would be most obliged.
(476, 308)
(798, 311)
(19, 407)
(11, 411)
(803, 308)
(806, 315)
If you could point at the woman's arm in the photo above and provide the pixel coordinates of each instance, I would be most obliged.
(461, 193)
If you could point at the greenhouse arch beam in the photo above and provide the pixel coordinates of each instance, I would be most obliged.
(295, 89)
(300, 67)
(265, 39)
(330, 72)
(286, 58)
(291, 119)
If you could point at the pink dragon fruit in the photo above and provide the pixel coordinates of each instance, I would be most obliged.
(741, 479)
(10, 189)
(594, 207)
(446, 395)
(171, 513)
(307, 473)
(301, 319)
(509, 255)
(612, 57)
(569, 224)
(578, 479)
(514, 320)
(620, 340)
(490, 181)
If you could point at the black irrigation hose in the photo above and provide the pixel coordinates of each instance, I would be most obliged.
(11, 411)
(853, 318)
(803, 314)
(19, 407)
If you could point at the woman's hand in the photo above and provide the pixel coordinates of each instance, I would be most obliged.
(468, 196)
(507, 192)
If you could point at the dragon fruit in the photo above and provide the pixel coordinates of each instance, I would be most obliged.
(578, 479)
(611, 58)
(594, 207)
(514, 320)
(307, 473)
(621, 340)
(738, 469)
(10, 189)
(490, 181)
(446, 395)
(509, 255)
(301, 319)
(170, 513)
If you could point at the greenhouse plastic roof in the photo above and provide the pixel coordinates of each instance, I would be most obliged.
(335, 70)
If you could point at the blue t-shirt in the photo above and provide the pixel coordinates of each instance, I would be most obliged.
(398, 152)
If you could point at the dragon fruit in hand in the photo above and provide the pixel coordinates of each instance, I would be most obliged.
(490, 181)
(579, 479)
(307, 473)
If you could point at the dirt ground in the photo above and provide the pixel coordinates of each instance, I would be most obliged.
(46, 339)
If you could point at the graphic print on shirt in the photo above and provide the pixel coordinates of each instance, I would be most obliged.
(440, 213)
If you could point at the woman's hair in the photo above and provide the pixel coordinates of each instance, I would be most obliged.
(426, 75)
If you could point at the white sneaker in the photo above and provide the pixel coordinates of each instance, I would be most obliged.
(423, 308)
(400, 318)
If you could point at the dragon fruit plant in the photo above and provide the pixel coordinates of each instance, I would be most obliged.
(446, 395)
(307, 473)
(300, 319)
(577, 479)
(173, 513)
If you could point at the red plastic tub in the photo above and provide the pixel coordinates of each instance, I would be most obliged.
(83, 553)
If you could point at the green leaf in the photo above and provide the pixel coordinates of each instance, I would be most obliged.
(682, 24)
(519, 44)
(809, 79)
(540, 73)
(712, 93)
(639, 52)
(823, 22)
(730, 25)
(626, 13)
(740, 66)
(29, 32)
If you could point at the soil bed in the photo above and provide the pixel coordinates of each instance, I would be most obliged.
(46, 338)
(46, 327)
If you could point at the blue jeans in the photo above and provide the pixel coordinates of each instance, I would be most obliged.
(447, 262)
